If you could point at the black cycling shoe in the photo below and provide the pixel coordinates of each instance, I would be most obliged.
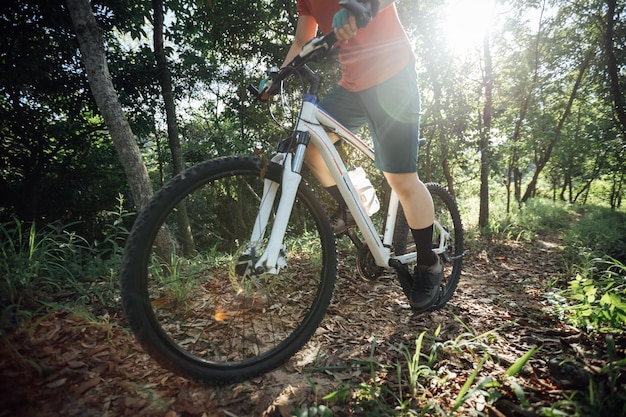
(424, 291)
(342, 220)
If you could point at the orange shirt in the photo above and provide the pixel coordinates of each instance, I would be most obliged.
(377, 52)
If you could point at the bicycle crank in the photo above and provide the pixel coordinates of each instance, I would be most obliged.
(366, 265)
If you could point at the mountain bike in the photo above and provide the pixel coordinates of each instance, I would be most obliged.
(230, 268)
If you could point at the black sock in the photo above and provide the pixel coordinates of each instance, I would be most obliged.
(333, 190)
(424, 245)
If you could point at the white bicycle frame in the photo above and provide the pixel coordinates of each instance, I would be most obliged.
(316, 122)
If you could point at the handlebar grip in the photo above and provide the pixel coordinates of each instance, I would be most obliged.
(361, 12)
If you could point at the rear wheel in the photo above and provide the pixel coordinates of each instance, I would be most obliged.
(447, 223)
(207, 314)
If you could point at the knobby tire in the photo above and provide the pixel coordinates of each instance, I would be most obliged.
(193, 311)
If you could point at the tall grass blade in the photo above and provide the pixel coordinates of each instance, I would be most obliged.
(519, 364)
(461, 397)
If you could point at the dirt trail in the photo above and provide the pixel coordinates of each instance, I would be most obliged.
(98, 370)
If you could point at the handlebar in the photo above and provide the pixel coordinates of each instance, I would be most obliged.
(313, 49)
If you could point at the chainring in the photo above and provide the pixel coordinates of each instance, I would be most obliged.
(366, 265)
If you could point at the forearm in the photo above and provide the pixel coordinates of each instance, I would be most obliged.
(293, 51)
(305, 31)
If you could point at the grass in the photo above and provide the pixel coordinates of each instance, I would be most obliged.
(49, 267)
(410, 386)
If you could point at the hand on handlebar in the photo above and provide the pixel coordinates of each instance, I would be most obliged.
(354, 15)
(265, 90)
(344, 25)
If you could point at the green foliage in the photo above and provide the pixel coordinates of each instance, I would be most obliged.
(600, 232)
(177, 278)
(52, 265)
(589, 230)
(597, 295)
(538, 216)
(55, 160)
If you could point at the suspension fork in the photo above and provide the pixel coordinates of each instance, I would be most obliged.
(274, 257)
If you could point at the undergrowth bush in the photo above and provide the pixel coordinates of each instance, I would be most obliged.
(535, 217)
(597, 295)
(599, 231)
(592, 293)
(48, 267)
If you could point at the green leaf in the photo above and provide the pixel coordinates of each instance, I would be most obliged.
(340, 394)
(461, 396)
(519, 364)
(519, 392)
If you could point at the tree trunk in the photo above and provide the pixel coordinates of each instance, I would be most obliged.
(613, 68)
(543, 159)
(597, 167)
(94, 58)
(440, 129)
(165, 80)
(485, 149)
(513, 162)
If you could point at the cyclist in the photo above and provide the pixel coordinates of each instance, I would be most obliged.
(378, 87)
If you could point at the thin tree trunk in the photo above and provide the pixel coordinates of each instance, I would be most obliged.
(612, 67)
(443, 143)
(513, 169)
(165, 80)
(94, 59)
(543, 159)
(613, 70)
(485, 149)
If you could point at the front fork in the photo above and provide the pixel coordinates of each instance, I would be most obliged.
(273, 258)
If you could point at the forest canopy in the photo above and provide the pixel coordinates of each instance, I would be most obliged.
(520, 98)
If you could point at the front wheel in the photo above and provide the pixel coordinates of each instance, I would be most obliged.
(187, 299)
(448, 229)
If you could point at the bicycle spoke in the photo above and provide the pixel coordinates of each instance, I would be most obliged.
(207, 312)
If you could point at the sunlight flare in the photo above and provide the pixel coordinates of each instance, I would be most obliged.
(466, 22)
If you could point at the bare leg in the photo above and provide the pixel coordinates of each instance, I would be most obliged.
(414, 197)
(422, 287)
(316, 164)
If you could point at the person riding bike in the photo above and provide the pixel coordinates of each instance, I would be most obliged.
(379, 88)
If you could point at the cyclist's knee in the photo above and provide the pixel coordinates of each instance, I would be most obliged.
(403, 184)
